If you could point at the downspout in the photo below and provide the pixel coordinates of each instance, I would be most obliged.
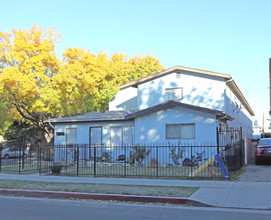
(225, 116)
(51, 125)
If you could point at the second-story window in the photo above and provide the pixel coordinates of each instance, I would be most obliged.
(173, 94)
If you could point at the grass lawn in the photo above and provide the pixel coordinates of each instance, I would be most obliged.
(100, 188)
(163, 172)
(123, 170)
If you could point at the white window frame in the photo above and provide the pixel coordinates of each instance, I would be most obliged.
(175, 94)
(122, 139)
(178, 127)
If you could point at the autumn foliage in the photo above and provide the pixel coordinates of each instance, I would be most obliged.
(36, 85)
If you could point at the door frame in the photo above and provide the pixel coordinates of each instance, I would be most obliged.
(101, 143)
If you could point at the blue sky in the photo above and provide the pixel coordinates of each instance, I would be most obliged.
(232, 37)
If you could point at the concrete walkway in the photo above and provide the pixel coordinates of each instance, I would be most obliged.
(252, 195)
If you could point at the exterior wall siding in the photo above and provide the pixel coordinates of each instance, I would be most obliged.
(199, 90)
(83, 131)
(241, 116)
(152, 128)
(207, 91)
(125, 99)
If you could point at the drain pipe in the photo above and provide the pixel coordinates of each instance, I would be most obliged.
(51, 125)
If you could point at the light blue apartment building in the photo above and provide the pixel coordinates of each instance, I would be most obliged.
(175, 105)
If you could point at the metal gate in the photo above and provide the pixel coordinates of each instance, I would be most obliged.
(230, 145)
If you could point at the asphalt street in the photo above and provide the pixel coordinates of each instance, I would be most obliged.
(44, 209)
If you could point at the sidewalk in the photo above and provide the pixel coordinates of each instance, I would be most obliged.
(251, 195)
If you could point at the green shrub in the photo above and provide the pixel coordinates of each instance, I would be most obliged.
(106, 157)
(176, 155)
(56, 168)
(138, 155)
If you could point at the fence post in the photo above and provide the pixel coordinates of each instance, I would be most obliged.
(242, 148)
(20, 152)
(94, 161)
(157, 161)
(66, 154)
(217, 140)
(77, 160)
(125, 161)
(39, 159)
(23, 152)
(191, 151)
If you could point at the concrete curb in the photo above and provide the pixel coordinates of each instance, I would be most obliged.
(99, 196)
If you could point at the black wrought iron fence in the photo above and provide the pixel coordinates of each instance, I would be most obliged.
(232, 140)
(158, 161)
(18, 159)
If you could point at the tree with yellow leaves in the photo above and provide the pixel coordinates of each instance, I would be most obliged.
(35, 85)
(27, 65)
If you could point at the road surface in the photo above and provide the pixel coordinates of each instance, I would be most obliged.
(30, 208)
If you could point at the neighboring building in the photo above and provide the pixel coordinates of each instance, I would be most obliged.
(260, 132)
(257, 132)
(174, 105)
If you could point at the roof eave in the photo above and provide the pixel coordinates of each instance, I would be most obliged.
(174, 104)
(135, 83)
(232, 84)
(75, 121)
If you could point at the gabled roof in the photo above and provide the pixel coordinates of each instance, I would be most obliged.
(228, 79)
(158, 74)
(174, 104)
(92, 116)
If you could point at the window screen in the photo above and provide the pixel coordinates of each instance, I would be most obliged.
(180, 131)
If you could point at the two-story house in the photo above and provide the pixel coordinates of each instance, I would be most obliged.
(179, 104)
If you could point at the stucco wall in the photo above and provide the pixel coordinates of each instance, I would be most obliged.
(242, 118)
(152, 128)
(125, 99)
(83, 131)
(200, 90)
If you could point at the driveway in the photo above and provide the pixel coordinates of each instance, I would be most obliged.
(257, 173)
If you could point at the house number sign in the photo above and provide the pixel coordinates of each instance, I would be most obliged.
(60, 134)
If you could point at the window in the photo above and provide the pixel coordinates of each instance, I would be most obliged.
(122, 135)
(95, 135)
(71, 137)
(173, 94)
(180, 131)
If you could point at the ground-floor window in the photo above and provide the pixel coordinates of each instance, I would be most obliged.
(180, 131)
(123, 135)
(95, 136)
(71, 136)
